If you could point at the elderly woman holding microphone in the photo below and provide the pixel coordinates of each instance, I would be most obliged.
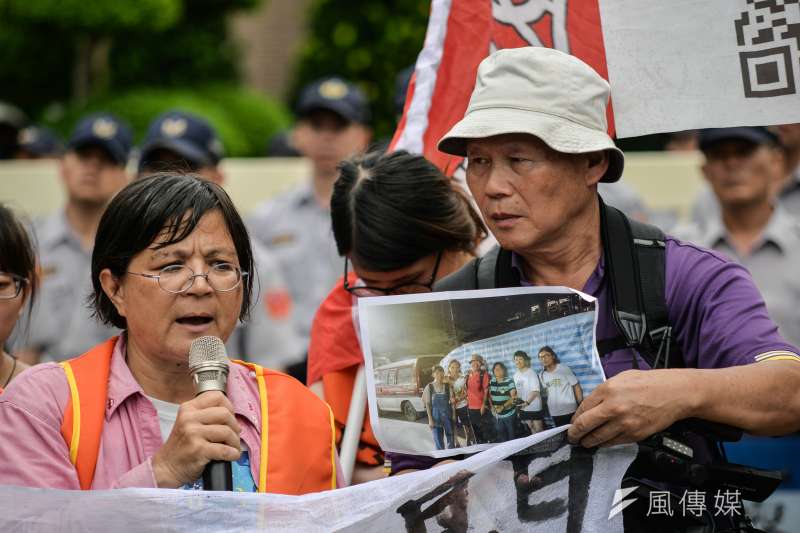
(171, 264)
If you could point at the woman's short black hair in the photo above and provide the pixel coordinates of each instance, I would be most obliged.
(391, 210)
(145, 209)
(549, 350)
(523, 354)
(17, 254)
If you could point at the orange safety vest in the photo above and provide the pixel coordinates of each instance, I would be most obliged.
(298, 449)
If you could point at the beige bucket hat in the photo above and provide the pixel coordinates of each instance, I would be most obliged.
(543, 92)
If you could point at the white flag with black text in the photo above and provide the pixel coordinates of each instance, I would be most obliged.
(688, 64)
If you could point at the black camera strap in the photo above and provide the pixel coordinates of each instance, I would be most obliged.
(635, 262)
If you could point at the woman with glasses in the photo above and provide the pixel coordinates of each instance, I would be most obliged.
(400, 225)
(170, 264)
(17, 286)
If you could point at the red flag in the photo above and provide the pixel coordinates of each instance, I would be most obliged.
(461, 33)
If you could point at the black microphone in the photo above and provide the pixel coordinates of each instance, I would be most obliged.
(208, 363)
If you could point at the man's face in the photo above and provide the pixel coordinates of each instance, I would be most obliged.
(326, 138)
(91, 176)
(526, 191)
(741, 172)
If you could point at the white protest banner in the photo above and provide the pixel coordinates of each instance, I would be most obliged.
(553, 487)
(687, 64)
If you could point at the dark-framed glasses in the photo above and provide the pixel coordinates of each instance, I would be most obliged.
(402, 288)
(222, 277)
(11, 285)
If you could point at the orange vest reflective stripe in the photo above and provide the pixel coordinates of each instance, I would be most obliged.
(298, 449)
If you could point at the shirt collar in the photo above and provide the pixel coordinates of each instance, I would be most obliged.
(305, 195)
(122, 385)
(592, 285)
(781, 229)
(57, 230)
(778, 232)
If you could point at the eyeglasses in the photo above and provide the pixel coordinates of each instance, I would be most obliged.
(11, 285)
(222, 277)
(403, 288)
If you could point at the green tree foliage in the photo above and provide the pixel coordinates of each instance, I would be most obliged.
(244, 119)
(96, 16)
(49, 47)
(367, 42)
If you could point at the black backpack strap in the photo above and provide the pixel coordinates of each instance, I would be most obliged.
(635, 261)
(490, 271)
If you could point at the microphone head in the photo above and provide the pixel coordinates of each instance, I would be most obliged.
(208, 363)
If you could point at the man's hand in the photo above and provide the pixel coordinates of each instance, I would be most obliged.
(631, 406)
(205, 430)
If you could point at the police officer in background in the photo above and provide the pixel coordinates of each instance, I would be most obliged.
(92, 171)
(332, 118)
(38, 142)
(177, 140)
(12, 120)
(744, 166)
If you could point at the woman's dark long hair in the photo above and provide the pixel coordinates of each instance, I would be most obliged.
(391, 210)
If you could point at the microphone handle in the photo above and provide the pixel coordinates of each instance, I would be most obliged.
(218, 475)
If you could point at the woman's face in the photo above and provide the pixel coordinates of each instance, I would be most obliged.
(546, 358)
(163, 324)
(499, 372)
(454, 369)
(420, 273)
(10, 309)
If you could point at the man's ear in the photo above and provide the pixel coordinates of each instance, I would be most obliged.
(597, 165)
(114, 290)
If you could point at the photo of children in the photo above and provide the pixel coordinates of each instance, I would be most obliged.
(457, 372)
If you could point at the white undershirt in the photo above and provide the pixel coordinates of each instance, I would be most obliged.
(167, 415)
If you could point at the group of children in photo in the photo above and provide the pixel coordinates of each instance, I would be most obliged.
(466, 408)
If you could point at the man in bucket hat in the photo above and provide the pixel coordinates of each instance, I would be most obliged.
(536, 142)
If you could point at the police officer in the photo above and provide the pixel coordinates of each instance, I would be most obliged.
(743, 166)
(92, 171)
(332, 117)
(12, 120)
(185, 141)
(38, 142)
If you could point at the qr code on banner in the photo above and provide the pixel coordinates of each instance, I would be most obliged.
(768, 35)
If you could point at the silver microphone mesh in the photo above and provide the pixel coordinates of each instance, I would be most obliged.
(205, 349)
(208, 363)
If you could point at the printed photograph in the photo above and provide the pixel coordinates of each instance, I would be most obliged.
(460, 371)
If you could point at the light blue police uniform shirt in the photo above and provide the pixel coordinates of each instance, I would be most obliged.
(61, 324)
(270, 337)
(297, 230)
(773, 263)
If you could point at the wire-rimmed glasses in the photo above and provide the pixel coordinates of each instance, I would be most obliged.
(222, 277)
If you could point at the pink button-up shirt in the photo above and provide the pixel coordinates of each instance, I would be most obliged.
(33, 452)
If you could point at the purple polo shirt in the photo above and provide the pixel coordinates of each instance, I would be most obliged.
(718, 317)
